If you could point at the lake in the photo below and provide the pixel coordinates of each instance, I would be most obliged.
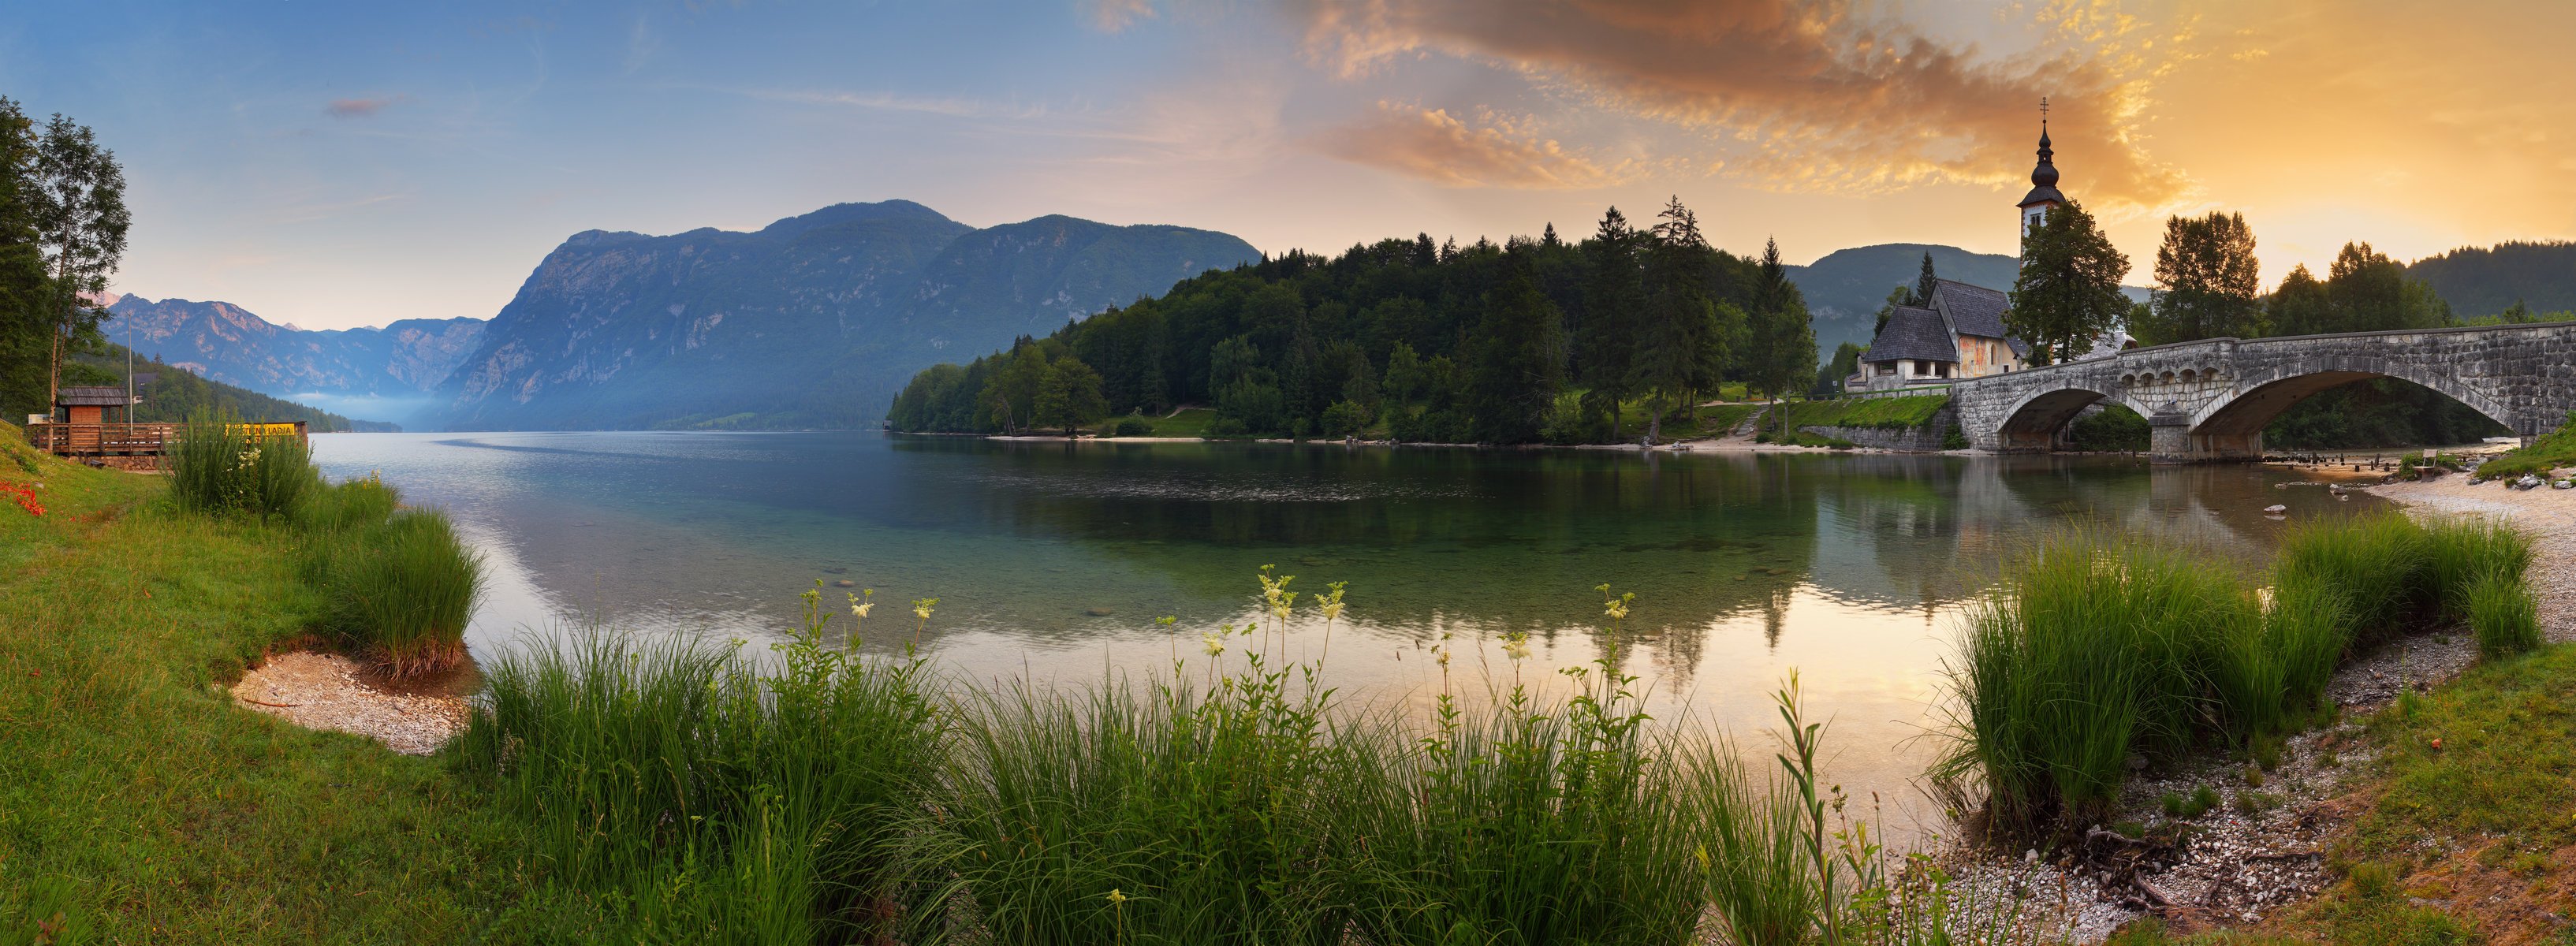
(1053, 560)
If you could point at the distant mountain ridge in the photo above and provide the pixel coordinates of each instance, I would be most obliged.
(225, 343)
(813, 321)
(2486, 280)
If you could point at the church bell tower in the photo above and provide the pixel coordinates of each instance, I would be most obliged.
(2043, 180)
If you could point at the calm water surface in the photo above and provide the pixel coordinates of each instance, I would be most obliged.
(1052, 560)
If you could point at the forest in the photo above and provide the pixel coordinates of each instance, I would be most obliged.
(1532, 340)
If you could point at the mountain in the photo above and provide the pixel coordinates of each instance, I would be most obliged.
(1845, 288)
(2481, 281)
(812, 321)
(388, 367)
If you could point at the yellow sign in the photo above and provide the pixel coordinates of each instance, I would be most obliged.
(265, 431)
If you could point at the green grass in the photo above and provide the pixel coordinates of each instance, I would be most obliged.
(1885, 413)
(2552, 451)
(1187, 422)
(141, 807)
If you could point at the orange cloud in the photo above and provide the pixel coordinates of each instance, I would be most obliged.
(1433, 145)
(1803, 94)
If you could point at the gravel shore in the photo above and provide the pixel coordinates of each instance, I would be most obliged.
(327, 691)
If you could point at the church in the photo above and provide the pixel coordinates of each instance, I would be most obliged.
(1958, 332)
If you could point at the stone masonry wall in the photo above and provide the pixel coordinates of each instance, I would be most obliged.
(1924, 439)
(2209, 399)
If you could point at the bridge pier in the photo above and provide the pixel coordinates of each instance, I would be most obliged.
(2170, 439)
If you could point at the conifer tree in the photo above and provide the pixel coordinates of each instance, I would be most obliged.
(1613, 295)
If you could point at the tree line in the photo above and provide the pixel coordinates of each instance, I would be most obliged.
(1534, 339)
(62, 231)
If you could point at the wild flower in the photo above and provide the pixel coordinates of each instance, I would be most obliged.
(1516, 645)
(1215, 643)
(26, 497)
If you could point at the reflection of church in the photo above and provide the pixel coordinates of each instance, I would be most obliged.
(1959, 331)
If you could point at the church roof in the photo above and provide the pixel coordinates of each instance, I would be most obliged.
(1911, 333)
(1976, 310)
(2042, 195)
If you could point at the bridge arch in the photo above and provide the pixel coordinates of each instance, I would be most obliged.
(2259, 400)
(2032, 422)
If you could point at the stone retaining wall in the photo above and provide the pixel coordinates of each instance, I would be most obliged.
(1924, 439)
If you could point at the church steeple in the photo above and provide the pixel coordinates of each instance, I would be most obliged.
(2043, 179)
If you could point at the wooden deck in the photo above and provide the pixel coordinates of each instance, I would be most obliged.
(124, 444)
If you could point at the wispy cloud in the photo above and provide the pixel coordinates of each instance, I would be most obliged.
(1433, 145)
(1808, 94)
(361, 108)
(1111, 16)
(896, 102)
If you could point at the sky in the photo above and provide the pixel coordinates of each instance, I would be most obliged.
(341, 164)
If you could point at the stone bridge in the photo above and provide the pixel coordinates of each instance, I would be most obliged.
(2209, 400)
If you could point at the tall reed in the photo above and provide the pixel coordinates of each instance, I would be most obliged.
(694, 799)
(2502, 614)
(401, 590)
(1539, 822)
(2088, 652)
(218, 466)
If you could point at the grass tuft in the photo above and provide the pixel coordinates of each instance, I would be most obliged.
(217, 466)
(401, 590)
(2502, 614)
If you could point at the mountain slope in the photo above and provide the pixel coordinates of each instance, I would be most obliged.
(2479, 281)
(814, 320)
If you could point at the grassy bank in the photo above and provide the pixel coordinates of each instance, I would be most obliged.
(2555, 450)
(138, 805)
(2464, 830)
(2094, 651)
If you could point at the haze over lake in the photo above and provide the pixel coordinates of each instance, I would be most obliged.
(1054, 560)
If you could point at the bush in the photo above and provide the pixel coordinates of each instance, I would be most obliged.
(695, 798)
(401, 591)
(1346, 418)
(2504, 617)
(217, 466)
(1130, 426)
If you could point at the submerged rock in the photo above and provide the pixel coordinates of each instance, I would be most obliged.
(1100, 611)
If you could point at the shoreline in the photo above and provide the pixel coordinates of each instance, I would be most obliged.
(2264, 851)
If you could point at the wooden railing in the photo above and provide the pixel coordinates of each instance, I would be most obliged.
(132, 440)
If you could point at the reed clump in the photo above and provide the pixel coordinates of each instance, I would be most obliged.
(685, 796)
(400, 590)
(2094, 652)
(689, 796)
(218, 466)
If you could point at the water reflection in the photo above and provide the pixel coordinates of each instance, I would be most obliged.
(1052, 560)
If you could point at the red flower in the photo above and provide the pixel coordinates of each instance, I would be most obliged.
(26, 496)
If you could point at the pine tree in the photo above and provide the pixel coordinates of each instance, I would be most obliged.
(1613, 295)
(1678, 316)
(1780, 356)
(1925, 284)
(1514, 378)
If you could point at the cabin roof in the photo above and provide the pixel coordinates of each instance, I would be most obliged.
(1977, 310)
(93, 397)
